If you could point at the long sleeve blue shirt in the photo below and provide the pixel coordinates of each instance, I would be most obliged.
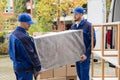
(86, 27)
(22, 50)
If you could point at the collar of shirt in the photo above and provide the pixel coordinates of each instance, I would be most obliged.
(80, 23)
(77, 23)
(21, 29)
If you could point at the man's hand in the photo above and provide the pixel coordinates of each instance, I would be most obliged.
(37, 75)
(39, 72)
(83, 57)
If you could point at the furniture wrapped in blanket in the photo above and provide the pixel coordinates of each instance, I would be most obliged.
(59, 48)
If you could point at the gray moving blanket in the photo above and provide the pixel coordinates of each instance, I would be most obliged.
(59, 48)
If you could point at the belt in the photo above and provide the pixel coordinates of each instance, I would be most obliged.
(22, 69)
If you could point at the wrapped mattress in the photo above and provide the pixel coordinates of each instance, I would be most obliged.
(59, 48)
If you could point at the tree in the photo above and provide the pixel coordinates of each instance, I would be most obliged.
(68, 5)
(2, 19)
(47, 10)
(45, 13)
(2, 8)
(2, 5)
(108, 3)
(20, 6)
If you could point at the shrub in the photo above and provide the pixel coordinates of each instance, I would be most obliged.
(1, 34)
(3, 48)
(2, 37)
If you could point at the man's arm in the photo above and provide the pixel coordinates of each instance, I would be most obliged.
(30, 49)
(94, 38)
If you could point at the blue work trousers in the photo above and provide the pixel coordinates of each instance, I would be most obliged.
(26, 75)
(82, 69)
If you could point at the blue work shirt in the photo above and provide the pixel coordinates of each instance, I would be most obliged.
(22, 50)
(86, 27)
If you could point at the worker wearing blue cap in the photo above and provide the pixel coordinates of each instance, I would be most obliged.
(22, 50)
(83, 67)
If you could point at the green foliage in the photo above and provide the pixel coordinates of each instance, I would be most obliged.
(40, 26)
(108, 3)
(45, 13)
(1, 34)
(67, 6)
(47, 10)
(34, 28)
(45, 25)
(2, 39)
(3, 48)
(19, 6)
(3, 5)
(2, 8)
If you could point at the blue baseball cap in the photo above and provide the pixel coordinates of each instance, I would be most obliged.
(24, 17)
(78, 10)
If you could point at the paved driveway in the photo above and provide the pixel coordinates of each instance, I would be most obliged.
(6, 71)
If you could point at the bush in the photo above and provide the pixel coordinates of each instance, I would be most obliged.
(2, 37)
(3, 48)
(1, 34)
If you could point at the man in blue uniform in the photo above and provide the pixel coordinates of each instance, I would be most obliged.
(22, 50)
(83, 66)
